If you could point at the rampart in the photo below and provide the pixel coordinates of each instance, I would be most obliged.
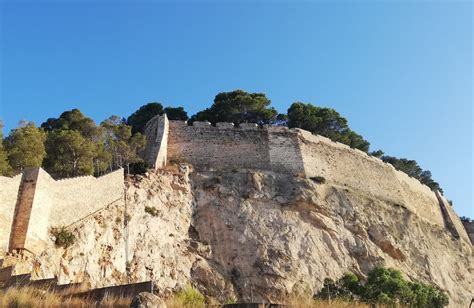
(8, 197)
(297, 151)
(156, 149)
(53, 203)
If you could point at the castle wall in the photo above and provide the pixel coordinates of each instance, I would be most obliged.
(62, 202)
(8, 196)
(222, 147)
(156, 149)
(352, 168)
(469, 226)
(284, 151)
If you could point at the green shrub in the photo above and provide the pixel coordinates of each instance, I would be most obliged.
(151, 210)
(190, 297)
(318, 179)
(63, 237)
(385, 287)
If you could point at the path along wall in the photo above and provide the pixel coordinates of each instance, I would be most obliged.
(8, 196)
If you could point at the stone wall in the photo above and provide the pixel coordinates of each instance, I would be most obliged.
(469, 226)
(354, 169)
(221, 147)
(284, 151)
(55, 203)
(156, 149)
(8, 196)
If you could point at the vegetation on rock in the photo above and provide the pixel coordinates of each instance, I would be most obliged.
(62, 237)
(386, 287)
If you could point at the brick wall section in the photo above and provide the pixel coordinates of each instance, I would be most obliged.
(23, 209)
(8, 197)
(209, 147)
(156, 149)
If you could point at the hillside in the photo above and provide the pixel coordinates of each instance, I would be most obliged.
(250, 233)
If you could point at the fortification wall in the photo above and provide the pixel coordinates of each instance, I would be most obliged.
(341, 165)
(8, 196)
(62, 202)
(284, 151)
(156, 149)
(221, 147)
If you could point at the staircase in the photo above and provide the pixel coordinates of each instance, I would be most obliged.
(24, 204)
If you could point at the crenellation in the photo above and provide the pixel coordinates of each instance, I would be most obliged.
(202, 124)
(225, 125)
(248, 126)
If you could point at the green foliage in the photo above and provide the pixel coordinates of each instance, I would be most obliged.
(238, 107)
(69, 154)
(25, 147)
(190, 297)
(378, 153)
(386, 287)
(63, 237)
(123, 147)
(5, 168)
(412, 168)
(318, 179)
(72, 120)
(144, 114)
(151, 210)
(176, 113)
(325, 122)
(465, 219)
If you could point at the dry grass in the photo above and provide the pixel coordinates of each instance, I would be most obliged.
(33, 297)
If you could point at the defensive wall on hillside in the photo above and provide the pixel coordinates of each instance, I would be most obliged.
(32, 203)
(296, 151)
(30, 206)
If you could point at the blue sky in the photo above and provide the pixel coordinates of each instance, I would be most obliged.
(399, 71)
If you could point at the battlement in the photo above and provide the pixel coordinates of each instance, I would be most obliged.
(299, 152)
(34, 202)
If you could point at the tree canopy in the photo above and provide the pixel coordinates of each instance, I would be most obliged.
(238, 107)
(325, 122)
(25, 147)
(5, 168)
(412, 168)
(139, 118)
(176, 113)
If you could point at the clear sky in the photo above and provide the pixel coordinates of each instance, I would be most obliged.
(399, 71)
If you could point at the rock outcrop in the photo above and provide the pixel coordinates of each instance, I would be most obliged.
(253, 235)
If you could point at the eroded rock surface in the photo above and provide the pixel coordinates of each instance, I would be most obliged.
(251, 234)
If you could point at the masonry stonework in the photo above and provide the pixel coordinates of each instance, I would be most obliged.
(8, 197)
(53, 203)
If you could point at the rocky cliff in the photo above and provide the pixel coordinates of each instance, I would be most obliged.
(252, 234)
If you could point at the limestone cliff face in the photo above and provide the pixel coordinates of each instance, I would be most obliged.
(254, 234)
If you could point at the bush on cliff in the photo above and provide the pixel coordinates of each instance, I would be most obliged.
(62, 237)
(386, 287)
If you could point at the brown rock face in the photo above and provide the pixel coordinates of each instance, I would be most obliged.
(254, 235)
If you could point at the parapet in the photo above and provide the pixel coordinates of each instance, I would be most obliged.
(225, 125)
(202, 124)
(248, 126)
